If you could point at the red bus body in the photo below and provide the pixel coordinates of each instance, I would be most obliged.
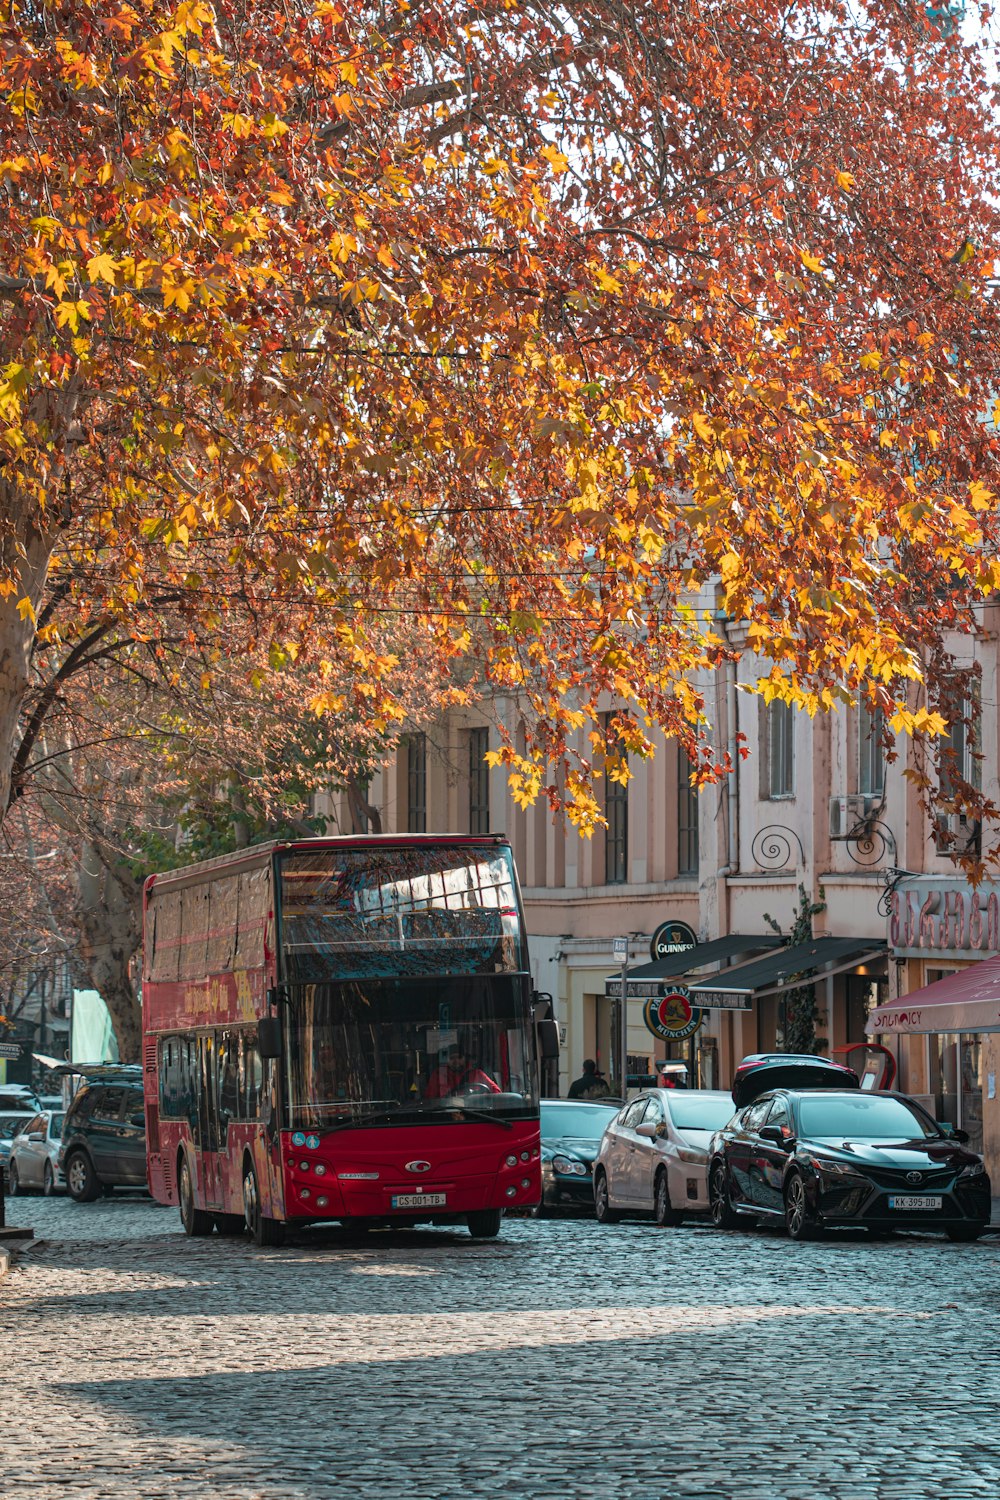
(378, 958)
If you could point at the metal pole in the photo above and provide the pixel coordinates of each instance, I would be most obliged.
(623, 1022)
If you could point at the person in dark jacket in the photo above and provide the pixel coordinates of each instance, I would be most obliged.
(591, 1084)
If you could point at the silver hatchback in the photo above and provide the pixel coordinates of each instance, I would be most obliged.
(34, 1155)
(654, 1155)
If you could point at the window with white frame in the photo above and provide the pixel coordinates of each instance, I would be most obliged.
(778, 761)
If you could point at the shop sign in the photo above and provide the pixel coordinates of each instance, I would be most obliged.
(671, 937)
(945, 919)
(9, 1049)
(724, 1000)
(672, 1017)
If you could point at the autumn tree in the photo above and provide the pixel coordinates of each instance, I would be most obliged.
(521, 323)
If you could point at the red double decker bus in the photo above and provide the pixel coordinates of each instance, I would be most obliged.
(340, 1029)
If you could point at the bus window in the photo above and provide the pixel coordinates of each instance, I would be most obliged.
(228, 1075)
(253, 903)
(222, 925)
(194, 932)
(167, 934)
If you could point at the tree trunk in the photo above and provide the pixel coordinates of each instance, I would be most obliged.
(110, 934)
(17, 632)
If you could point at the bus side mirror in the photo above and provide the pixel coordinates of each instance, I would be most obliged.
(269, 1037)
(548, 1038)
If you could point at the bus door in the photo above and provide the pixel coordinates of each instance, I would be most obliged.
(208, 1122)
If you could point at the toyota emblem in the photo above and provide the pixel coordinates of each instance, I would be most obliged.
(914, 1176)
(418, 1166)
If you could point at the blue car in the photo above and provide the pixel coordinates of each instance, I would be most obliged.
(571, 1138)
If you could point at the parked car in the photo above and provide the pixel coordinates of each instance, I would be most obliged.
(11, 1121)
(571, 1135)
(15, 1098)
(34, 1155)
(654, 1155)
(104, 1133)
(814, 1158)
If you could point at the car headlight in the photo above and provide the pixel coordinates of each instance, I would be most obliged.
(698, 1157)
(570, 1168)
(831, 1168)
(974, 1169)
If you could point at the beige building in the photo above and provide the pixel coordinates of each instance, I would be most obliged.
(814, 814)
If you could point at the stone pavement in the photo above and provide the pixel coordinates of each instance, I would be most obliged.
(564, 1359)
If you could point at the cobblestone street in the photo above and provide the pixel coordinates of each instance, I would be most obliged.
(562, 1359)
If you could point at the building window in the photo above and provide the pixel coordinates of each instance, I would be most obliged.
(687, 818)
(778, 747)
(616, 812)
(416, 783)
(960, 766)
(871, 752)
(479, 781)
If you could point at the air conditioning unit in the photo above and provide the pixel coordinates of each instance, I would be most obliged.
(850, 814)
(963, 831)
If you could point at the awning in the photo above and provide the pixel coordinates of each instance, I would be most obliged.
(645, 981)
(968, 1000)
(785, 969)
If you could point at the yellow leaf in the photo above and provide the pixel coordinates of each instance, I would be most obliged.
(871, 360)
(845, 180)
(556, 160)
(102, 267)
(702, 427)
(811, 262)
(26, 610)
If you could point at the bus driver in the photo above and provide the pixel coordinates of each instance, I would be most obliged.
(457, 1075)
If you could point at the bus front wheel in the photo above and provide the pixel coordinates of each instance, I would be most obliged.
(195, 1220)
(484, 1224)
(265, 1231)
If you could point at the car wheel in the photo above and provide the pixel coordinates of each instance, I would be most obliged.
(484, 1224)
(799, 1220)
(662, 1212)
(229, 1224)
(14, 1187)
(48, 1180)
(724, 1216)
(81, 1179)
(264, 1231)
(602, 1201)
(195, 1220)
(964, 1234)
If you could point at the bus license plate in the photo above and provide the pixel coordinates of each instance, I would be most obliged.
(419, 1200)
(915, 1203)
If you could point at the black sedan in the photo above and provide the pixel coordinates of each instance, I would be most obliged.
(818, 1158)
(571, 1137)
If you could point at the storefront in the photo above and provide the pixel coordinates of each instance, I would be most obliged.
(944, 1018)
(715, 1002)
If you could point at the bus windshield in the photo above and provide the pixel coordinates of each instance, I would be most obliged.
(407, 1049)
(399, 910)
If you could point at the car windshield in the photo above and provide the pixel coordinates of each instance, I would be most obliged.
(11, 1124)
(862, 1117)
(700, 1112)
(586, 1122)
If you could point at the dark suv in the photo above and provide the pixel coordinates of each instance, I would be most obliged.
(104, 1134)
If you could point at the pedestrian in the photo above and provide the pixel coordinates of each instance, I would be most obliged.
(591, 1084)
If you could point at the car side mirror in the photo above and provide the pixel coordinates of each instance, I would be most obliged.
(138, 1118)
(35, 1135)
(775, 1135)
(647, 1129)
(961, 1136)
(269, 1037)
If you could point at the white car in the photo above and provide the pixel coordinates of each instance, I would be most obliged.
(654, 1155)
(33, 1155)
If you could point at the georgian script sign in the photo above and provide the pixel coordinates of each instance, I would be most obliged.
(952, 918)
